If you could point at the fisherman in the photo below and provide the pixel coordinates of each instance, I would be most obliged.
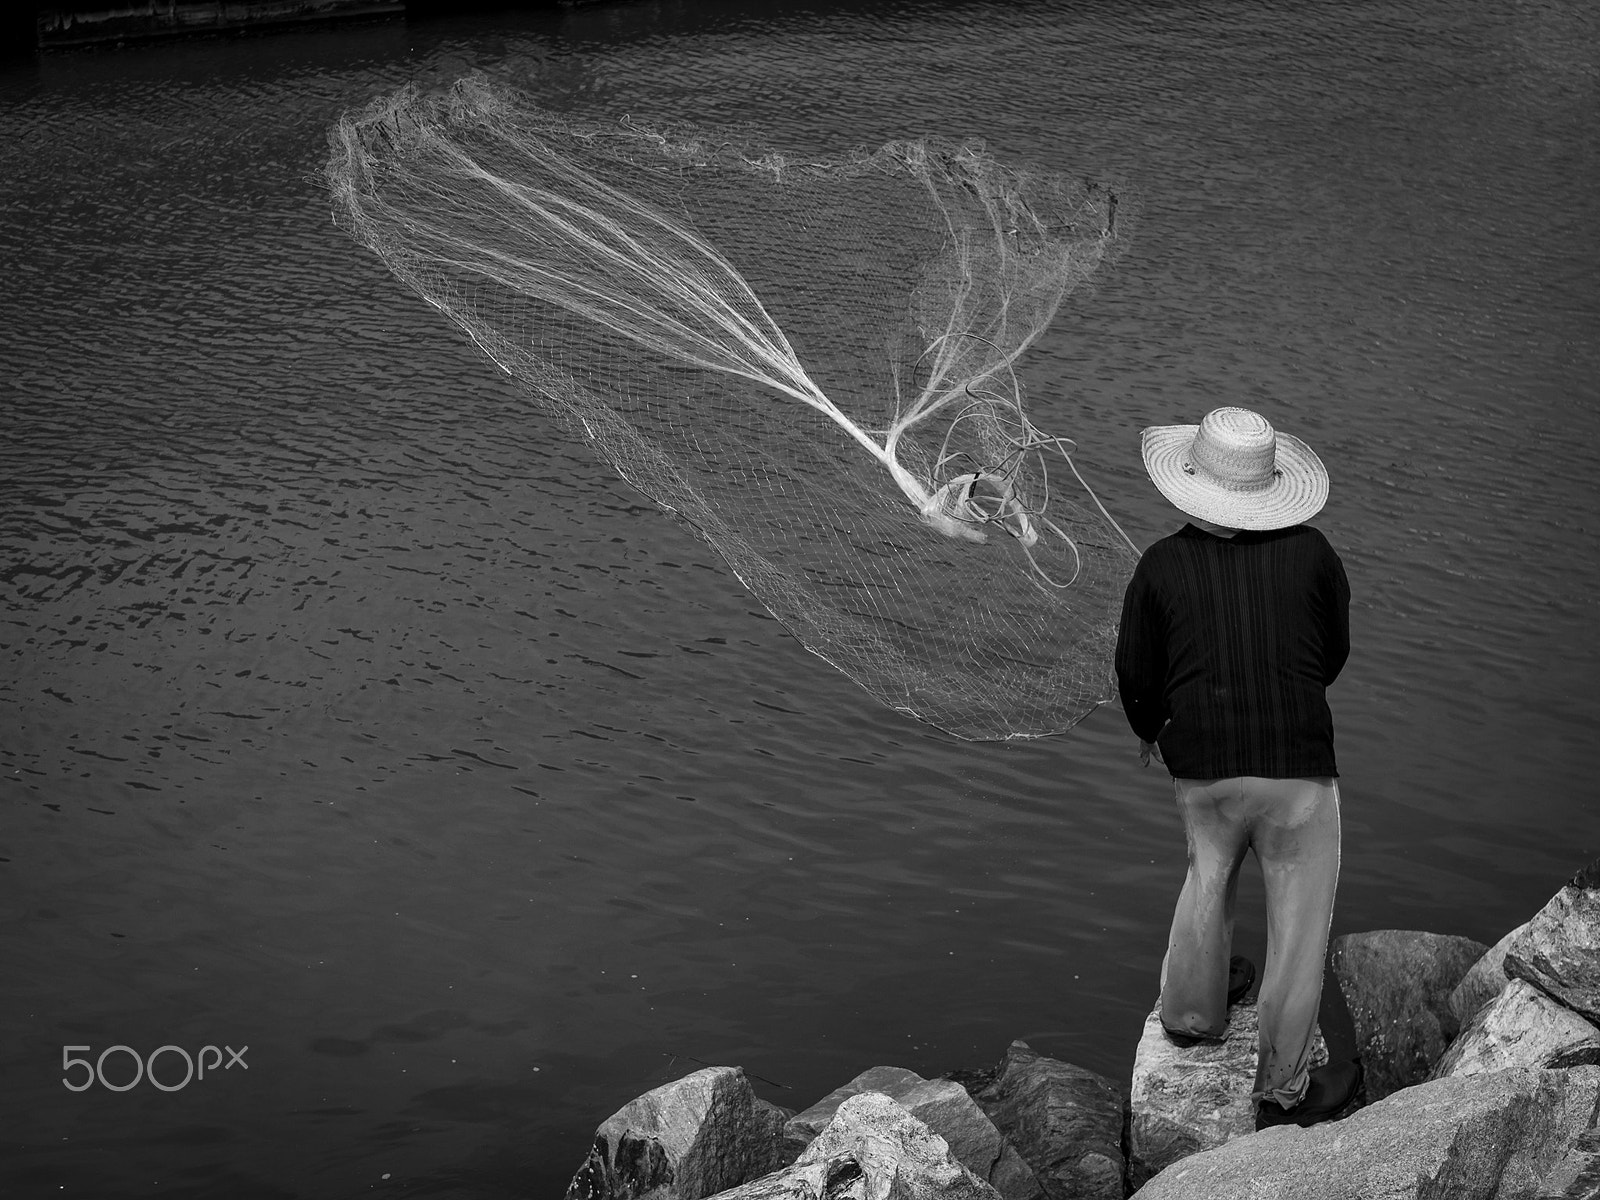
(1232, 629)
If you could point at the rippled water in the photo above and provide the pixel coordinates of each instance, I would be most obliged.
(352, 712)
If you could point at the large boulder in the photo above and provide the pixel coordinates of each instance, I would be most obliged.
(1558, 951)
(946, 1108)
(1483, 1137)
(872, 1149)
(1188, 1099)
(1521, 1027)
(1066, 1122)
(1397, 984)
(802, 1128)
(1485, 980)
(685, 1140)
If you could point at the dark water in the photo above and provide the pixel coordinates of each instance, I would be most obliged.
(352, 713)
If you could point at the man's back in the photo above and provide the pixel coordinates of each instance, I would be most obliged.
(1233, 640)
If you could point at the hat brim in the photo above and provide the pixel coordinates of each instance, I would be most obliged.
(1296, 494)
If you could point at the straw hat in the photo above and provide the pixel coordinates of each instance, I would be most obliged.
(1232, 469)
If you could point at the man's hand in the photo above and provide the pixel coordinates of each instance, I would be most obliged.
(1146, 749)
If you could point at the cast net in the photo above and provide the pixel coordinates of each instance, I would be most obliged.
(813, 364)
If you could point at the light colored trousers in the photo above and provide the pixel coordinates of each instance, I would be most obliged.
(1293, 827)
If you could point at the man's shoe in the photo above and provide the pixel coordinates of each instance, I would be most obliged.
(1333, 1089)
(1241, 978)
(1186, 1040)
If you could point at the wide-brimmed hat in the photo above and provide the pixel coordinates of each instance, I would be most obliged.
(1234, 469)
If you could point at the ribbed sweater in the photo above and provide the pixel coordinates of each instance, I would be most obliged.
(1226, 648)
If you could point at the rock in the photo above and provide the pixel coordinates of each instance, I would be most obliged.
(1186, 1100)
(1559, 950)
(946, 1108)
(1482, 983)
(1577, 1176)
(1397, 984)
(685, 1140)
(1482, 1137)
(872, 1149)
(1065, 1121)
(807, 1123)
(1521, 1027)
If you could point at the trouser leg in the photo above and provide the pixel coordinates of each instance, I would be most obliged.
(1194, 978)
(1296, 839)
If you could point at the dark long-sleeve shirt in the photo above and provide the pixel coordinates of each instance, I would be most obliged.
(1226, 648)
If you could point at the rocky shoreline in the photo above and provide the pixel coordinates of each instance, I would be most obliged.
(1482, 1082)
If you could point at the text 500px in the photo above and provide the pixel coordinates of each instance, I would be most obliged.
(194, 1068)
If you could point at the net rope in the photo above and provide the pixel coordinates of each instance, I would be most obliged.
(812, 364)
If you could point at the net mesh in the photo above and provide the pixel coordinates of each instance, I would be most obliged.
(810, 363)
